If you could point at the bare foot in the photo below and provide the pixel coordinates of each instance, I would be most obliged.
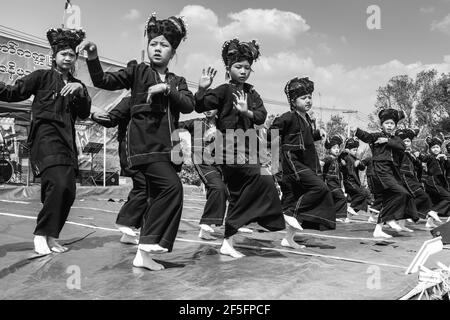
(205, 235)
(394, 225)
(352, 211)
(127, 239)
(152, 248)
(228, 249)
(245, 230)
(40, 245)
(434, 215)
(372, 219)
(55, 246)
(144, 260)
(206, 228)
(378, 232)
(288, 240)
(293, 222)
(430, 223)
(126, 230)
(402, 224)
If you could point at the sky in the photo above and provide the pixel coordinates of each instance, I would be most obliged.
(326, 40)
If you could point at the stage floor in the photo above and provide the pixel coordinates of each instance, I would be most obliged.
(346, 263)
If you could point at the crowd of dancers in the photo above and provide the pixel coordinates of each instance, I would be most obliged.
(405, 185)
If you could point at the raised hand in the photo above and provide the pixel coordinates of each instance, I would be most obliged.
(207, 78)
(381, 140)
(71, 88)
(100, 116)
(155, 89)
(323, 134)
(241, 101)
(90, 47)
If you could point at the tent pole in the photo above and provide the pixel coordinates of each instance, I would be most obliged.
(104, 157)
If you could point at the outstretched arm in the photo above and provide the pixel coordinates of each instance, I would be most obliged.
(364, 136)
(22, 89)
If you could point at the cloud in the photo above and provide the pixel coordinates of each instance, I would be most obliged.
(427, 10)
(132, 15)
(266, 25)
(442, 26)
(339, 86)
(283, 24)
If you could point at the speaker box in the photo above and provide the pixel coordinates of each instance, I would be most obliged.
(112, 179)
(442, 231)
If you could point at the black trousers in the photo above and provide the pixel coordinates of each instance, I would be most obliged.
(307, 198)
(358, 199)
(163, 213)
(132, 211)
(340, 203)
(253, 198)
(377, 197)
(216, 194)
(439, 195)
(58, 190)
(398, 203)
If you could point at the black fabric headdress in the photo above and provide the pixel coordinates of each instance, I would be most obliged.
(235, 51)
(407, 133)
(352, 143)
(335, 140)
(173, 29)
(391, 114)
(436, 140)
(298, 87)
(61, 39)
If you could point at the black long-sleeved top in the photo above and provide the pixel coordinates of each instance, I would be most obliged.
(411, 171)
(52, 134)
(298, 134)
(331, 173)
(390, 151)
(350, 171)
(436, 168)
(122, 125)
(199, 145)
(149, 134)
(222, 99)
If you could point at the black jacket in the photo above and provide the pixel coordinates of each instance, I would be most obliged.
(350, 171)
(197, 128)
(436, 168)
(52, 134)
(222, 99)
(122, 126)
(331, 173)
(149, 134)
(297, 136)
(391, 151)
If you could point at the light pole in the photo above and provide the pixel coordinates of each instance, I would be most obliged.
(348, 112)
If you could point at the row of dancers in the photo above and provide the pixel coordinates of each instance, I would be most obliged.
(146, 122)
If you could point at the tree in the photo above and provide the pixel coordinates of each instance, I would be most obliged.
(401, 93)
(424, 100)
(336, 126)
(433, 109)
